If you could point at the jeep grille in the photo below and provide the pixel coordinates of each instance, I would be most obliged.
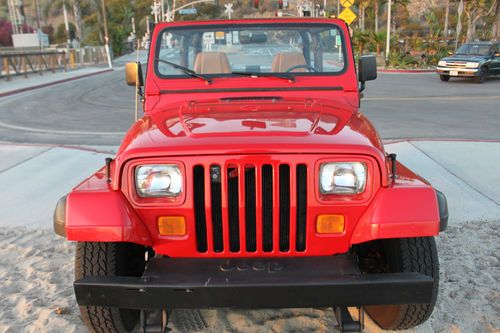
(265, 205)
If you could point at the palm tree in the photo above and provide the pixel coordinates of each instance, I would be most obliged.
(360, 38)
(77, 12)
(378, 38)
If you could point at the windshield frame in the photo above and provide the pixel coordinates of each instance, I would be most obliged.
(158, 41)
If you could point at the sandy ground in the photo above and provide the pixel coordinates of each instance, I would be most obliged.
(36, 270)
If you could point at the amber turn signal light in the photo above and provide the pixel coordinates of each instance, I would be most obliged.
(330, 224)
(172, 226)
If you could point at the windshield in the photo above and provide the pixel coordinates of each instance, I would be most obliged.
(475, 49)
(266, 49)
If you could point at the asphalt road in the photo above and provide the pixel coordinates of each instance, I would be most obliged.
(99, 109)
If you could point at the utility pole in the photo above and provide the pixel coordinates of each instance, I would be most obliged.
(13, 16)
(338, 8)
(37, 13)
(162, 16)
(106, 36)
(388, 40)
(446, 15)
(66, 24)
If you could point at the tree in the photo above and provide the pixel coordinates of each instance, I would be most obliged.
(378, 38)
(446, 19)
(360, 39)
(495, 30)
(475, 11)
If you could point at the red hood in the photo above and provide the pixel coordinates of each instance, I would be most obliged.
(252, 126)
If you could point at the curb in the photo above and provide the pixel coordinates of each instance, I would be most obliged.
(394, 141)
(49, 145)
(17, 91)
(406, 71)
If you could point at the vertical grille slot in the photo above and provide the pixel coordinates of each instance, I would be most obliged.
(199, 207)
(233, 204)
(216, 196)
(301, 207)
(284, 207)
(267, 207)
(250, 209)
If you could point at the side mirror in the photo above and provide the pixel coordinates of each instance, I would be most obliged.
(133, 74)
(367, 69)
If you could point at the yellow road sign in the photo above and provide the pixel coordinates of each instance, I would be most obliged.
(347, 15)
(347, 3)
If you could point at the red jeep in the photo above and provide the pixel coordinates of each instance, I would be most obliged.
(253, 181)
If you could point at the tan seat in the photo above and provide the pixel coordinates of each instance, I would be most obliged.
(211, 63)
(284, 61)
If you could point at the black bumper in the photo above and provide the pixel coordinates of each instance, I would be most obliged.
(254, 283)
(443, 210)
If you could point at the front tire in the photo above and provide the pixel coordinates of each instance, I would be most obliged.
(109, 259)
(444, 78)
(482, 75)
(405, 255)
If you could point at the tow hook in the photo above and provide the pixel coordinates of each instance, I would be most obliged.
(345, 323)
(158, 325)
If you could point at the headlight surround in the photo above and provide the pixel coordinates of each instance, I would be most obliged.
(472, 65)
(342, 177)
(442, 63)
(158, 180)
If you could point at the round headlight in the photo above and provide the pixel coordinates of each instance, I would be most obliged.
(342, 178)
(472, 65)
(158, 180)
(442, 63)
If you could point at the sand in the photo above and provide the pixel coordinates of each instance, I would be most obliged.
(36, 272)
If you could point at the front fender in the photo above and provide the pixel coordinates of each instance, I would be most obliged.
(399, 212)
(102, 216)
(410, 207)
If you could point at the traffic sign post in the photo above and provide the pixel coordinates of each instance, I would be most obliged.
(155, 10)
(347, 14)
(229, 9)
(347, 3)
(188, 11)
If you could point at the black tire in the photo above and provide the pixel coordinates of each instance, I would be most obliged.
(444, 78)
(481, 77)
(109, 259)
(406, 255)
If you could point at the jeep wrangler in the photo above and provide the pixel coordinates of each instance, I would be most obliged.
(253, 181)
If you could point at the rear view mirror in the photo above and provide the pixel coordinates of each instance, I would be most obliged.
(133, 74)
(367, 68)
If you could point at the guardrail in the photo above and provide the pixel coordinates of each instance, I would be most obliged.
(26, 62)
(29, 61)
(88, 55)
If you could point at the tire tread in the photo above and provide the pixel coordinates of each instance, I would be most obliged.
(419, 255)
(97, 259)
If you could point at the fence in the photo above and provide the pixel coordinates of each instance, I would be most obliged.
(88, 55)
(29, 61)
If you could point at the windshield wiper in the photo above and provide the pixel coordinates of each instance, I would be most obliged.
(185, 70)
(285, 76)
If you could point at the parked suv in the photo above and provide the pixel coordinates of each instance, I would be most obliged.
(473, 60)
(253, 181)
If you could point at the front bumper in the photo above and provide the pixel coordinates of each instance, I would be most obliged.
(458, 72)
(254, 283)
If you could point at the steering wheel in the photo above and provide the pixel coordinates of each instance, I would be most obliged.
(309, 68)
